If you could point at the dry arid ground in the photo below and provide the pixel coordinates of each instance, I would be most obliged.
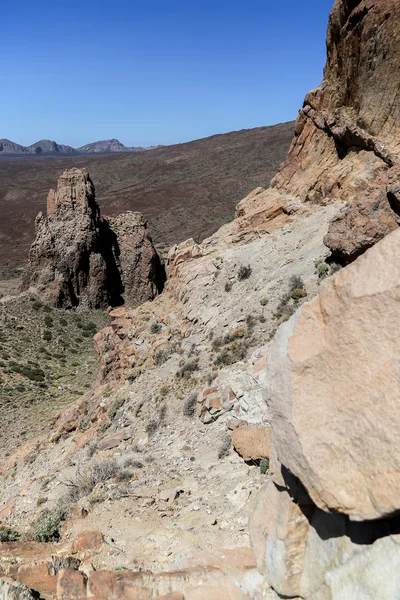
(186, 190)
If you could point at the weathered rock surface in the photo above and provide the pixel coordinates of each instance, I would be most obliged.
(305, 552)
(140, 268)
(252, 443)
(77, 259)
(332, 388)
(12, 590)
(347, 137)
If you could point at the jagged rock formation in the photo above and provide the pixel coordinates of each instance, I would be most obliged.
(77, 258)
(347, 135)
(138, 263)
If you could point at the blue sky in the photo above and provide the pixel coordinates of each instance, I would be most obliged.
(155, 72)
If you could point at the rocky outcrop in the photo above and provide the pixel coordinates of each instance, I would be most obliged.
(347, 137)
(328, 520)
(77, 258)
(142, 273)
(333, 375)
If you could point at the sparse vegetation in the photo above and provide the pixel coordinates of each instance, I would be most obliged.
(325, 270)
(163, 391)
(244, 272)
(228, 286)
(322, 270)
(115, 405)
(46, 528)
(188, 367)
(85, 481)
(8, 535)
(161, 356)
(155, 327)
(225, 447)
(289, 301)
(189, 406)
(151, 427)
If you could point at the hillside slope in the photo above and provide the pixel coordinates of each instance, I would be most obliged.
(187, 190)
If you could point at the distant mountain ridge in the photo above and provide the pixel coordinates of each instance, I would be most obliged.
(51, 148)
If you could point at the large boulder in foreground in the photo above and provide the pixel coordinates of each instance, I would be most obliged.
(333, 385)
(77, 258)
(307, 553)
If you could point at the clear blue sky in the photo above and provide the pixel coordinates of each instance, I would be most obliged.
(155, 71)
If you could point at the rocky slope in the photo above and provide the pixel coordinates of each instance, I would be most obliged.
(78, 258)
(258, 342)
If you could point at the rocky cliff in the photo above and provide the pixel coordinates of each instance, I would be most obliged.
(78, 259)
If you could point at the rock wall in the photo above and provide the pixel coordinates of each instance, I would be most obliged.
(78, 258)
(347, 135)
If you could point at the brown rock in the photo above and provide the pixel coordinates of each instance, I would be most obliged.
(333, 385)
(37, 577)
(142, 273)
(77, 259)
(347, 136)
(252, 443)
(88, 540)
(71, 585)
(123, 585)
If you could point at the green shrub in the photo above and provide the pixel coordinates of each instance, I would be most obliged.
(48, 321)
(36, 305)
(161, 356)
(189, 406)
(244, 272)
(228, 286)
(189, 367)
(297, 294)
(225, 447)
(47, 335)
(115, 406)
(155, 327)
(264, 466)
(46, 308)
(32, 373)
(46, 528)
(323, 270)
(8, 535)
(89, 326)
(264, 301)
(164, 389)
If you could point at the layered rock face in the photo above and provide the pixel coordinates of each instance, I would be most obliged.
(78, 259)
(347, 138)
